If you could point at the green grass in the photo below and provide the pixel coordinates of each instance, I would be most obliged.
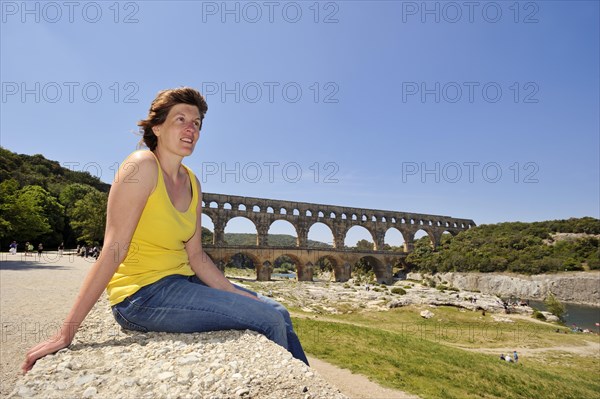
(465, 329)
(432, 369)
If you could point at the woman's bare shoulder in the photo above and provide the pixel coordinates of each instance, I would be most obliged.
(139, 167)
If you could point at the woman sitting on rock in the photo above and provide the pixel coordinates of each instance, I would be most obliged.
(157, 275)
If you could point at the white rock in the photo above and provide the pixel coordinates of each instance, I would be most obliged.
(84, 379)
(427, 314)
(165, 375)
(189, 359)
(90, 392)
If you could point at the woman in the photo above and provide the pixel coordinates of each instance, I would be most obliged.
(157, 276)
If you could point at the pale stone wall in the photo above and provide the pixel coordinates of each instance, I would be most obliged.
(576, 287)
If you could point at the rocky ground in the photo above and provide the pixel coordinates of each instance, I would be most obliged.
(106, 362)
(323, 297)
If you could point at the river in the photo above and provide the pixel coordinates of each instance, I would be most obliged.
(580, 315)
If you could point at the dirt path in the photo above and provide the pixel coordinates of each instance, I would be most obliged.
(37, 294)
(591, 349)
(355, 386)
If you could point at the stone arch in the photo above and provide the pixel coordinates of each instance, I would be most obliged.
(207, 222)
(357, 227)
(303, 273)
(393, 233)
(239, 225)
(442, 235)
(329, 265)
(382, 274)
(423, 231)
(278, 225)
(314, 227)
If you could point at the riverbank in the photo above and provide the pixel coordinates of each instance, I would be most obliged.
(575, 287)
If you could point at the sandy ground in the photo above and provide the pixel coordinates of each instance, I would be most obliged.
(36, 295)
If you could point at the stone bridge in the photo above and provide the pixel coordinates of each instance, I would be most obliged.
(262, 212)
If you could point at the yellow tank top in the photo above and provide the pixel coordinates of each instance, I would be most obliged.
(157, 247)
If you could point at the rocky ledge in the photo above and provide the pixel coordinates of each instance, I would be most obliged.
(576, 287)
(106, 362)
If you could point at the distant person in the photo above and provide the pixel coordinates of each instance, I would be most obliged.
(508, 358)
(39, 250)
(13, 248)
(502, 356)
(515, 356)
(61, 249)
(27, 249)
(156, 259)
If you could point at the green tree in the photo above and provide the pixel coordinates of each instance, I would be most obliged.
(364, 245)
(207, 236)
(89, 217)
(554, 306)
(52, 211)
(27, 214)
(72, 193)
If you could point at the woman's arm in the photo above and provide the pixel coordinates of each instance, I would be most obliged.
(201, 263)
(129, 192)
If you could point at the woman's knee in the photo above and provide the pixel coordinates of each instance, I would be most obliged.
(276, 305)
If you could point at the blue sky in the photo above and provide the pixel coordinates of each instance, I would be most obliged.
(487, 111)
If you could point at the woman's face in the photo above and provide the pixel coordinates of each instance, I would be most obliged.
(180, 131)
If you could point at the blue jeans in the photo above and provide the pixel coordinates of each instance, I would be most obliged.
(184, 304)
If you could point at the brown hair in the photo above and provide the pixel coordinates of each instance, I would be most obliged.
(160, 107)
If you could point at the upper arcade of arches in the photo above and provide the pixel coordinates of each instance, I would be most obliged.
(302, 215)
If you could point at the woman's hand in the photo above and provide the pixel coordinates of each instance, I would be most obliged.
(42, 349)
(244, 293)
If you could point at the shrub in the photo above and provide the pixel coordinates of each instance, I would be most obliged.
(346, 285)
(407, 287)
(554, 306)
(594, 264)
(398, 290)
